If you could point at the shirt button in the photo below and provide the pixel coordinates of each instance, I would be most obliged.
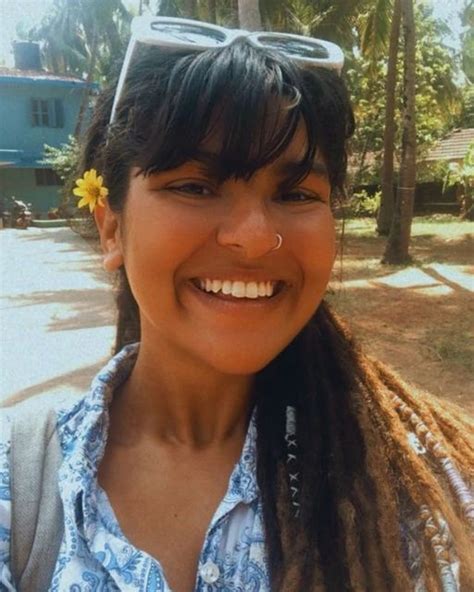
(209, 572)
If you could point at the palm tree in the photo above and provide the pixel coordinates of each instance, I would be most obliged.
(84, 38)
(249, 15)
(397, 248)
(189, 9)
(63, 48)
(212, 11)
(385, 214)
(335, 20)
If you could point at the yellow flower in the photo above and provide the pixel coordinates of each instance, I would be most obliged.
(90, 188)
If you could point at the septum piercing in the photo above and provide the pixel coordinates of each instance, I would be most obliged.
(279, 242)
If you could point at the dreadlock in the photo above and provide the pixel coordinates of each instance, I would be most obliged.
(336, 506)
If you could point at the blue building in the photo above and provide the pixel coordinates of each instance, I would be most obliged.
(36, 108)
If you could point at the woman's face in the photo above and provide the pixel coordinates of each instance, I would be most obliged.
(185, 240)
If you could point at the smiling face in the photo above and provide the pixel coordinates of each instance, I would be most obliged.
(199, 255)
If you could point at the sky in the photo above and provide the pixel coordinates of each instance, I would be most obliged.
(29, 13)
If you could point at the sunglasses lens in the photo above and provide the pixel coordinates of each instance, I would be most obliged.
(190, 34)
(295, 47)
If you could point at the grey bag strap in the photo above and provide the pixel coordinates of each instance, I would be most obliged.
(37, 513)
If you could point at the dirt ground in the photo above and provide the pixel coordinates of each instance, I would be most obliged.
(418, 319)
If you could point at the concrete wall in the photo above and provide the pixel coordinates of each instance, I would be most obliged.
(16, 129)
(21, 183)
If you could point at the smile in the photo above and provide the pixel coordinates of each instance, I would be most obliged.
(239, 288)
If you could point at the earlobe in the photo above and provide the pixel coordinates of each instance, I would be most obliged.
(108, 224)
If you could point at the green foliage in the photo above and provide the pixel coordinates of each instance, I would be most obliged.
(462, 175)
(467, 40)
(75, 29)
(438, 99)
(362, 204)
(466, 117)
(431, 171)
(63, 160)
(374, 28)
(368, 98)
(334, 20)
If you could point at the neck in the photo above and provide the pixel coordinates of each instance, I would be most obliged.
(177, 401)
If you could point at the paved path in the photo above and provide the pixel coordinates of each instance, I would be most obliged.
(56, 312)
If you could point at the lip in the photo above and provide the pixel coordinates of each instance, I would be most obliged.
(231, 305)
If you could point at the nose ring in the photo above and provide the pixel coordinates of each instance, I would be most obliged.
(279, 242)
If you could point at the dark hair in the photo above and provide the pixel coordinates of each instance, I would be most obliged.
(354, 458)
(171, 102)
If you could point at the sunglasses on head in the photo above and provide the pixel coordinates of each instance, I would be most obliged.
(169, 32)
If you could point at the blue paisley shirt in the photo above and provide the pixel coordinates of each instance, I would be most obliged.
(95, 555)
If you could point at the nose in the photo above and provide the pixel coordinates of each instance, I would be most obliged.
(248, 229)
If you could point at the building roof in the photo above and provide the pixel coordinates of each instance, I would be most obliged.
(42, 74)
(19, 159)
(453, 147)
(17, 76)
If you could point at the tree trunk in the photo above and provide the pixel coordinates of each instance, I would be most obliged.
(249, 15)
(234, 14)
(90, 74)
(387, 202)
(397, 247)
(189, 9)
(212, 11)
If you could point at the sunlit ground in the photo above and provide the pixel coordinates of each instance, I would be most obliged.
(417, 318)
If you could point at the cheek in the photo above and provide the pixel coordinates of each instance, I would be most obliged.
(315, 243)
(160, 239)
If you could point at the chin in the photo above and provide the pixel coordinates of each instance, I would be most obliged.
(242, 362)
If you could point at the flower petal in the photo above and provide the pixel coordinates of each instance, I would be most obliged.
(79, 191)
(83, 202)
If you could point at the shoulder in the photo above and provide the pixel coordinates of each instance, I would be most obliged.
(5, 500)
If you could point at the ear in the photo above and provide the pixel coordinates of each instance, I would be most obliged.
(108, 224)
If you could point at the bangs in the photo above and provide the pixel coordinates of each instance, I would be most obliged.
(245, 103)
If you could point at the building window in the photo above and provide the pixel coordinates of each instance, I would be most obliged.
(47, 113)
(47, 177)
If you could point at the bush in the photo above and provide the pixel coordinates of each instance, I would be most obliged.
(361, 204)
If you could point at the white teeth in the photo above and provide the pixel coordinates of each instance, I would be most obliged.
(227, 287)
(251, 290)
(238, 289)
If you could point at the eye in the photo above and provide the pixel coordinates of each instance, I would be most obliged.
(191, 188)
(301, 197)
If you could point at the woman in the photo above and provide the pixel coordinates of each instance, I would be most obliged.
(245, 443)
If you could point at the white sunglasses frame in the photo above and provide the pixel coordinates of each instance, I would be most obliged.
(142, 32)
